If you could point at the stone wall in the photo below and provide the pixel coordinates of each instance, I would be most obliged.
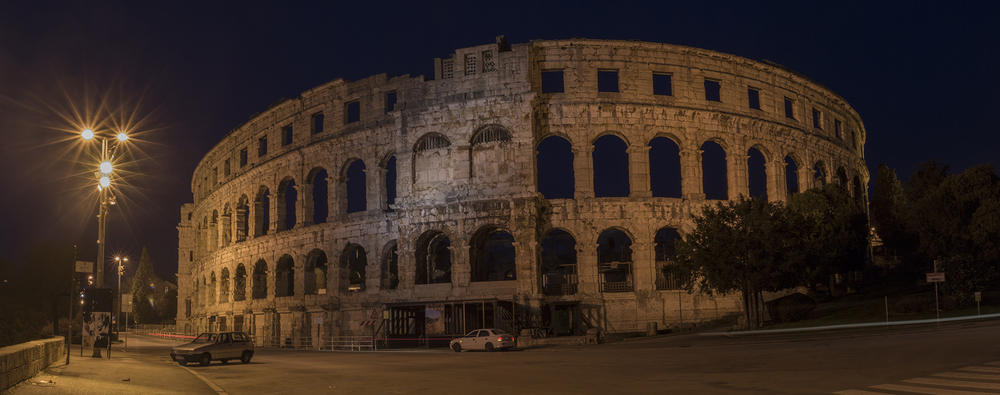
(20, 362)
(470, 219)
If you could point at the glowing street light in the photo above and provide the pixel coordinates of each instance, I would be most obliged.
(105, 171)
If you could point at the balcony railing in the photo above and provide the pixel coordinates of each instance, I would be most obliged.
(616, 277)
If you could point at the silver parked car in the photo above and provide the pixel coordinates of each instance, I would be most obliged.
(483, 339)
(219, 346)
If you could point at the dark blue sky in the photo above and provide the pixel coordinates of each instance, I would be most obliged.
(923, 77)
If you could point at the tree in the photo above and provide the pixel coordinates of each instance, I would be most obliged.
(738, 247)
(889, 213)
(141, 291)
(46, 278)
(829, 234)
(927, 177)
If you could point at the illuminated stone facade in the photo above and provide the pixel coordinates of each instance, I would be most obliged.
(423, 207)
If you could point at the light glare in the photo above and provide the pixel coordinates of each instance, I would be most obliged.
(105, 167)
(105, 181)
(87, 134)
(122, 136)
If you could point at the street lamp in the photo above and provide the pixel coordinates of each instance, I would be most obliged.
(104, 174)
(118, 317)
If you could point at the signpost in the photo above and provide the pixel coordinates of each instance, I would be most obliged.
(936, 277)
(979, 297)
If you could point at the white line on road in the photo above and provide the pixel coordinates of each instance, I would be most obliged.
(860, 392)
(981, 369)
(953, 383)
(210, 384)
(958, 375)
(924, 390)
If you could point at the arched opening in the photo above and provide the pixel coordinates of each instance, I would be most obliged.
(284, 272)
(757, 174)
(390, 267)
(859, 192)
(715, 175)
(320, 196)
(227, 229)
(554, 166)
(263, 211)
(819, 174)
(315, 275)
(791, 175)
(260, 280)
(614, 261)
(610, 167)
(491, 156)
(390, 183)
(240, 288)
(433, 259)
(356, 187)
(287, 198)
(492, 255)
(664, 168)
(665, 253)
(842, 177)
(242, 218)
(558, 263)
(224, 286)
(355, 260)
(212, 286)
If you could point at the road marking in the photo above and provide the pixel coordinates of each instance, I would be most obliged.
(925, 390)
(984, 369)
(954, 383)
(959, 375)
(860, 392)
(215, 388)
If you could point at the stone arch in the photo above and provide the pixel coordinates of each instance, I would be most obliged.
(354, 267)
(664, 254)
(611, 166)
(240, 283)
(859, 192)
(433, 258)
(388, 165)
(558, 263)
(492, 255)
(554, 168)
(316, 273)
(490, 133)
(319, 201)
(284, 276)
(259, 280)
(432, 162)
(224, 286)
(390, 265)
(715, 174)
(492, 157)
(355, 188)
(227, 224)
(757, 173)
(212, 287)
(242, 218)
(262, 211)
(791, 174)
(287, 199)
(819, 174)
(842, 177)
(614, 260)
(665, 167)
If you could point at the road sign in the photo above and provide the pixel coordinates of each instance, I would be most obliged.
(979, 296)
(935, 277)
(84, 267)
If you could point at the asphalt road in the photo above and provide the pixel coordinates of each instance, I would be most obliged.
(876, 361)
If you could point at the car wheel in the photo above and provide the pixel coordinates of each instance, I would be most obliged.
(457, 347)
(489, 347)
(182, 363)
(205, 359)
(245, 358)
(224, 361)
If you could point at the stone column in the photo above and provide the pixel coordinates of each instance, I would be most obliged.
(227, 229)
(583, 171)
(776, 188)
(643, 266)
(212, 241)
(691, 174)
(737, 176)
(461, 266)
(638, 168)
(305, 205)
(528, 276)
(586, 267)
(406, 264)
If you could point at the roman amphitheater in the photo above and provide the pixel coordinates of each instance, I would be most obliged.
(535, 185)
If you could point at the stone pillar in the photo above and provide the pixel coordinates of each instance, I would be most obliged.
(406, 264)
(638, 169)
(227, 229)
(305, 205)
(377, 190)
(461, 266)
(212, 242)
(583, 171)
(691, 174)
(643, 266)
(776, 188)
(586, 267)
(737, 176)
(526, 258)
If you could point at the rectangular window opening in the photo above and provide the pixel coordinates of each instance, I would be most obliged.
(713, 90)
(753, 97)
(836, 129)
(390, 101)
(352, 112)
(789, 113)
(552, 81)
(816, 119)
(262, 147)
(227, 169)
(243, 157)
(286, 135)
(317, 122)
(470, 64)
(662, 84)
(607, 80)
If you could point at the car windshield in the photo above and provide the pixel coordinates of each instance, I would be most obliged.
(499, 332)
(206, 338)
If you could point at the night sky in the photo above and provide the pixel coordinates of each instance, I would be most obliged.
(923, 77)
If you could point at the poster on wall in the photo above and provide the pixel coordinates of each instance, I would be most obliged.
(96, 317)
(434, 319)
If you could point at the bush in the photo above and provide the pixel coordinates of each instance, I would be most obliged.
(19, 324)
(790, 308)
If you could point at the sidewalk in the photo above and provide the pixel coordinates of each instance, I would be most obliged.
(138, 370)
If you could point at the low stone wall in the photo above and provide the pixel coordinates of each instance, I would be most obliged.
(20, 362)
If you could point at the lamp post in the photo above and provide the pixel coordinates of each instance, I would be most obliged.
(106, 199)
(121, 269)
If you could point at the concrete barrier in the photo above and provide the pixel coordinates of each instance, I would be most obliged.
(20, 362)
